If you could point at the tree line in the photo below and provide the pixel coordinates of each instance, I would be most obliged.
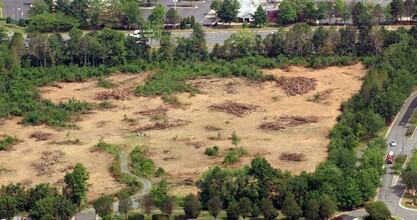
(46, 16)
(45, 201)
(336, 183)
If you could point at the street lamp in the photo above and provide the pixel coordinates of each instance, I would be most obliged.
(175, 4)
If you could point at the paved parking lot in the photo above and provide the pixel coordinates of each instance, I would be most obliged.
(199, 10)
(16, 9)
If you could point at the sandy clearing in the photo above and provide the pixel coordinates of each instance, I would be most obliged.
(171, 148)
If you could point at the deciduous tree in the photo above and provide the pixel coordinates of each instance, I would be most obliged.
(214, 206)
(260, 18)
(192, 206)
(228, 11)
(76, 184)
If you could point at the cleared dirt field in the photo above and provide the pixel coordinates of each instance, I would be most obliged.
(180, 150)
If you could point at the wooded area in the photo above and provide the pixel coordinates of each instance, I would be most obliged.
(338, 182)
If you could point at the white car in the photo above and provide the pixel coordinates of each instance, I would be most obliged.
(393, 143)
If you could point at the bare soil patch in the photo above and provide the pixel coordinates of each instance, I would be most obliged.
(180, 150)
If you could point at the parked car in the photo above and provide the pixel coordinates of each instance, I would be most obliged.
(393, 143)
(390, 157)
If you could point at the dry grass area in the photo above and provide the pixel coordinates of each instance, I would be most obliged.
(180, 149)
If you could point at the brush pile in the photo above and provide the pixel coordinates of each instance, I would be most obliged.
(296, 85)
(48, 159)
(156, 111)
(40, 135)
(284, 122)
(162, 125)
(296, 157)
(234, 108)
(122, 94)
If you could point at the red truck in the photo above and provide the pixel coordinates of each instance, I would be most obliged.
(390, 157)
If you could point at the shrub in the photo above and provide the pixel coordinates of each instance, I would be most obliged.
(7, 142)
(103, 146)
(22, 23)
(378, 210)
(230, 158)
(212, 151)
(8, 20)
(160, 172)
(106, 104)
(141, 165)
(104, 83)
(160, 217)
(136, 217)
(233, 156)
(48, 22)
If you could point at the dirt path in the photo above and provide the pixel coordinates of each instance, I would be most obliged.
(124, 168)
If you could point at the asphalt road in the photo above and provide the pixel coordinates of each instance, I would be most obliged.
(392, 189)
(16, 9)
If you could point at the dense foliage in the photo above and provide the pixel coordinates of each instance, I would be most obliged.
(43, 201)
(338, 182)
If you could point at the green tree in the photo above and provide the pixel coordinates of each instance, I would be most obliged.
(192, 206)
(232, 210)
(48, 22)
(328, 207)
(44, 208)
(40, 191)
(312, 209)
(287, 12)
(245, 207)
(378, 210)
(133, 16)
(311, 11)
(235, 139)
(214, 206)
(168, 205)
(397, 9)
(409, 8)
(95, 12)
(125, 205)
(215, 5)
(103, 205)
(64, 208)
(56, 48)
(228, 11)
(260, 18)
(157, 20)
(378, 13)
(321, 10)
(76, 184)
(38, 7)
(255, 210)
(17, 46)
(267, 209)
(410, 179)
(147, 204)
(290, 208)
(8, 207)
(159, 193)
(172, 17)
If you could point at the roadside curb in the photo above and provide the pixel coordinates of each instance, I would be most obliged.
(399, 203)
(398, 115)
